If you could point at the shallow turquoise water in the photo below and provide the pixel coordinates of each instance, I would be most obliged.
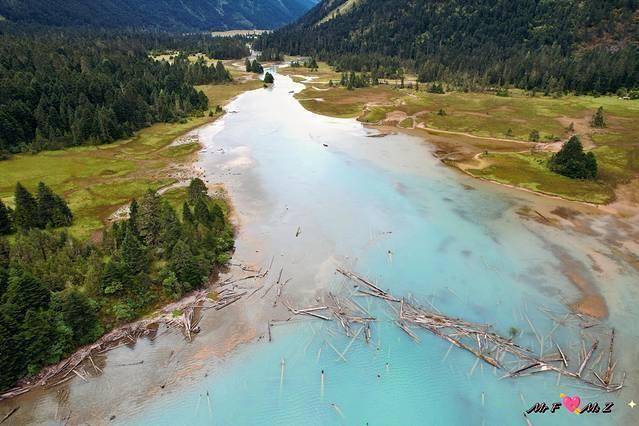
(462, 248)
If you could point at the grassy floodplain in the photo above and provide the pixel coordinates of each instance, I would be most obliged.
(488, 136)
(96, 180)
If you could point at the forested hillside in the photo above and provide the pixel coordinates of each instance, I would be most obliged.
(579, 45)
(166, 15)
(62, 89)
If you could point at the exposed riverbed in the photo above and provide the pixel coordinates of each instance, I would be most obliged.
(312, 193)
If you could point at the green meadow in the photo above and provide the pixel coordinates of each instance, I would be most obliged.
(96, 180)
(496, 121)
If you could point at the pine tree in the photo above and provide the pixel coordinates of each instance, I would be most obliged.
(79, 315)
(571, 161)
(133, 217)
(133, 256)
(25, 215)
(217, 217)
(149, 218)
(25, 292)
(52, 209)
(599, 120)
(5, 220)
(171, 228)
(201, 213)
(187, 215)
(45, 341)
(197, 190)
(268, 78)
(185, 266)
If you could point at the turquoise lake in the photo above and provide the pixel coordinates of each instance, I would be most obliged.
(386, 208)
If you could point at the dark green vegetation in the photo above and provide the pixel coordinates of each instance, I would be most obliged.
(45, 210)
(172, 15)
(573, 162)
(268, 78)
(253, 66)
(59, 90)
(57, 293)
(550, 45)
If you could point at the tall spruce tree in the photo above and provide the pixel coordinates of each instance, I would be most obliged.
(201, 213)
(149, 223)
(171, 228)
(133, 255)
(599, 120)
(197, 190)
(25, 292)
(185, 266)
(79, 315)
(25, 215)
(46, 340)
(187, 215)
(53, 211)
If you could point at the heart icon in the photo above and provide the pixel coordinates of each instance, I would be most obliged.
(571, 403)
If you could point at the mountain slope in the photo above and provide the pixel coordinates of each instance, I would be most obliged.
(579, 44)
(181, 15)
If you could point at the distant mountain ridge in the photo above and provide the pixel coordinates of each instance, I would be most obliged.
(578, 44)
(170, 15)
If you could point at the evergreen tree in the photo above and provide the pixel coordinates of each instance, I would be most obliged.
(197, 190)
(62, 215)
(268, 78)
(571, 161)
(45, 339)
(25, 215)
(46, 204)
(149, 218)
(599, 120)
(25, 292)
(187, 215)
(217, 216)
(79, 315)
(133, 217)
(247, 65)
(133, 256)
(5, 220)
(185, 266)
(52, 209)
(171, 228)
(201, 213)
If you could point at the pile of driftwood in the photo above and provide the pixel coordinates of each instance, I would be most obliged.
(478, 339)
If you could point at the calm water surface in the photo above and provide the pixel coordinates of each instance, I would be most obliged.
(386, 208)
